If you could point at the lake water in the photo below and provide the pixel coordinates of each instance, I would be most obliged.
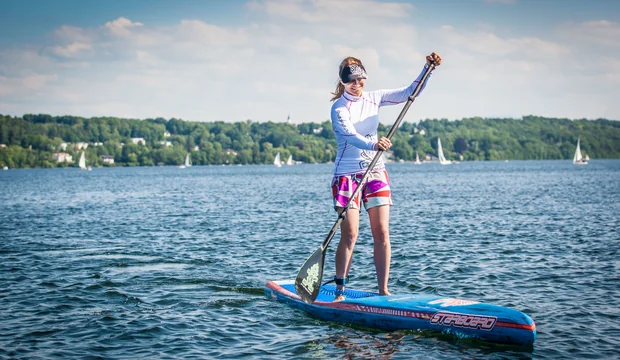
(163, 262)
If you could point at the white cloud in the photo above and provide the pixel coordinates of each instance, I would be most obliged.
(25, 85)
(490, 44)
(121, 26)
(71, 50)
(21, 61)
(203, 34)
(307, 45)
(602, 32)
(69, 34)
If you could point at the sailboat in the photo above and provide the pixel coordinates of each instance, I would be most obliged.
(82, 163)
(277, 161)
(442, 159)
(290, 160)
(188, 162)
(577, 158)
(417, 159)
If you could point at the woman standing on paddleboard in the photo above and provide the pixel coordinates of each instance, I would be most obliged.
(355, 119)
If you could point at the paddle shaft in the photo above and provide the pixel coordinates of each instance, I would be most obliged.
(343, 214)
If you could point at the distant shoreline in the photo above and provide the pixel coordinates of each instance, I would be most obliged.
(428, 163)
(44, 141)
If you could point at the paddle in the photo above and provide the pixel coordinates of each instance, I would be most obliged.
(310, 275)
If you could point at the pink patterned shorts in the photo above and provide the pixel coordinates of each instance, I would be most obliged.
(375, 192)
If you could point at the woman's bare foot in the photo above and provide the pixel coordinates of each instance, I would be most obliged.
(339, 294)
(384, 293)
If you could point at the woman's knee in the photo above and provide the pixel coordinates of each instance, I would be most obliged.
(349, 239)
(381, 230)
(382, 239)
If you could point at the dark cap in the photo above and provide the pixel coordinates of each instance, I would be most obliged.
(352, 72)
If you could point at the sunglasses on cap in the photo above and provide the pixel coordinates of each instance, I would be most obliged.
(352, 72)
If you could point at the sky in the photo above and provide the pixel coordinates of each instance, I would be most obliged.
(266, 60)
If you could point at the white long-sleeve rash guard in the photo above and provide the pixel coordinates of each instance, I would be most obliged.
(355, 121)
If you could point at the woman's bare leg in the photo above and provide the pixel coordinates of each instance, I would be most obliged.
(349, 230)
(379, 225)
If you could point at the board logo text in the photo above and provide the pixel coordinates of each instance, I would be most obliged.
(464, 320)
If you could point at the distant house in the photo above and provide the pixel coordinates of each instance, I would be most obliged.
(166, 134)
(138, 141)
(196, 148)
(2, 145)
(63, 146)
(80, 145)
(62, 157)
(166, 143)
(422, 132)
(98, 144)
(108, 159)
(231, 151)
(318, 130)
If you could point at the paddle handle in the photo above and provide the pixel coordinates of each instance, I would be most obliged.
(412, 97)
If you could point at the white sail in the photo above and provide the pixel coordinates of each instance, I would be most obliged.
(577, 158)
(442, 159)
(277, 161)
(290, 160)
(187, 162)
(417, 159)
(82, 163)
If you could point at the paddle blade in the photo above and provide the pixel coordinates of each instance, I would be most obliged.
(308, 281)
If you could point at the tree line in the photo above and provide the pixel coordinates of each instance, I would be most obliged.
(30, 140)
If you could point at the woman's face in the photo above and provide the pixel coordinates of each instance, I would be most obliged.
(355, 87)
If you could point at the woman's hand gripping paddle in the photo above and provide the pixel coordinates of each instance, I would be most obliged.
(309, 277)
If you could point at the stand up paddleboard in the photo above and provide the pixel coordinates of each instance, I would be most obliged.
(463, 318)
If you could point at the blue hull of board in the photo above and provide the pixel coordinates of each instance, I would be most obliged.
(463, 318)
